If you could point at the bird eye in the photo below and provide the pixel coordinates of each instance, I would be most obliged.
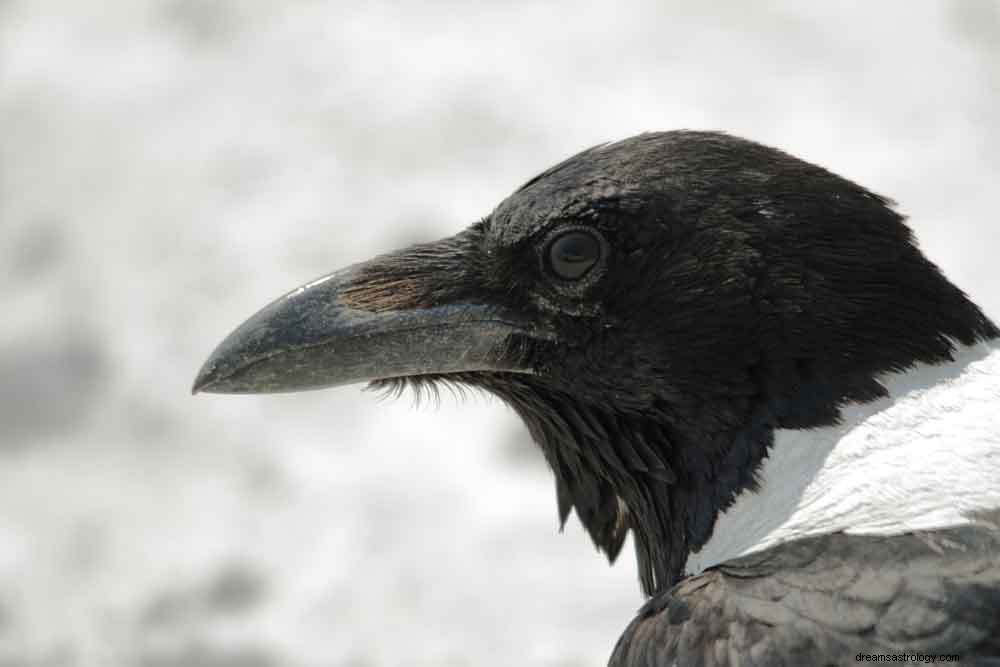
(573, 254)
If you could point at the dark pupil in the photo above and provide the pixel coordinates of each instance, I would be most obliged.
(573, 254)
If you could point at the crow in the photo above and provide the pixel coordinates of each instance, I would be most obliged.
(739, 357)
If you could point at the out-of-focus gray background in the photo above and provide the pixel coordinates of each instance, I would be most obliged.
(169, 166)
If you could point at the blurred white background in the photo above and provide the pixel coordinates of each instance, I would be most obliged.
(169, 166)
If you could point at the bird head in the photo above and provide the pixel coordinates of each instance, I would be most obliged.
(652, 309)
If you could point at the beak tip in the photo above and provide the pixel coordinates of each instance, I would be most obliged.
(202, 382)
(210, 378)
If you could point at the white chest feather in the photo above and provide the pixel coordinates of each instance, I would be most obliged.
(923, 458)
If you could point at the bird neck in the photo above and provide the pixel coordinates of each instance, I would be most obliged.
(926, 455)
(890, 451)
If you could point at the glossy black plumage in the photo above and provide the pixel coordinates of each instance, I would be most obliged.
(737, 290)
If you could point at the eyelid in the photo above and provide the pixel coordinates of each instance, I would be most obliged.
(591, 276)
(573, 254)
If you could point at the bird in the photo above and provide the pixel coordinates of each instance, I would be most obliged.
(738, 357)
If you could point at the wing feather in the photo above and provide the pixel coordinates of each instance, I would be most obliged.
(823, 600)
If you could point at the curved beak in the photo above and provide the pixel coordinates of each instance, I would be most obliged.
(371, 321)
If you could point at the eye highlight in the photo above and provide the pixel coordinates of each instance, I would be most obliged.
(573, 254)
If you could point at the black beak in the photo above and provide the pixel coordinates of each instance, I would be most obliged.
(390, 317)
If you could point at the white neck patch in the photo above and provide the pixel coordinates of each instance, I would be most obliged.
(922, 458)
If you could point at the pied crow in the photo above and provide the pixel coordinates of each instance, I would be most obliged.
(737, 356)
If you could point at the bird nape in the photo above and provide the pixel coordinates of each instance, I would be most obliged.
(661, 312)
